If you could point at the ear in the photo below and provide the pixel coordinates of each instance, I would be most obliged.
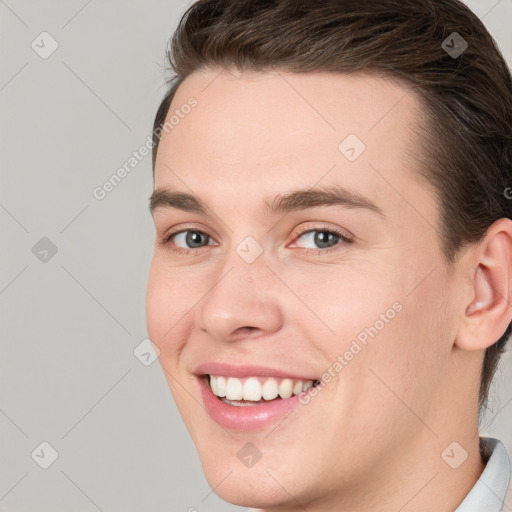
(488, 310)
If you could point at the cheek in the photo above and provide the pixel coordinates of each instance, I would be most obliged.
(401, 365)
(386, 346)
(167, 303)
(157, 307)
(346, 304)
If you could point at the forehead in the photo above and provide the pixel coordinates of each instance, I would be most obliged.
(253, 133)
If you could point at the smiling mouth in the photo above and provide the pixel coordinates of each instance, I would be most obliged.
(253, 391)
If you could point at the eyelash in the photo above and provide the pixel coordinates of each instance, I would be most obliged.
(166, 240)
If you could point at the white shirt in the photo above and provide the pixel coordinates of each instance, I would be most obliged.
(490, 491)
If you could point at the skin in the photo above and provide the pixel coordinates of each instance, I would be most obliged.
(372, 438)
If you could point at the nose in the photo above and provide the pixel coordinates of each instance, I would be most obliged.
(242, 301)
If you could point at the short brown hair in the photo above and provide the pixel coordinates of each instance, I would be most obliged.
(466, 143)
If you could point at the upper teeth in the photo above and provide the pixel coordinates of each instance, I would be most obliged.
(256, 388)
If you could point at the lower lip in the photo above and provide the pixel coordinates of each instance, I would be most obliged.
(252, 417)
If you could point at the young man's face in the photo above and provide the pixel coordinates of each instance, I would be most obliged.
(252, 298)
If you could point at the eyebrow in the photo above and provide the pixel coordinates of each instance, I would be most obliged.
(295, 200)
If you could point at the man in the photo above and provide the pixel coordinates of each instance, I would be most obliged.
(331, 281)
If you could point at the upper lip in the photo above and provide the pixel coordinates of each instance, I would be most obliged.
(241, 371)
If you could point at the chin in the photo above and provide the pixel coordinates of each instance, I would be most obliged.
(264, 483)
(252, 487)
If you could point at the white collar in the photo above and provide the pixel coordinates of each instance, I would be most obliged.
(488, 494)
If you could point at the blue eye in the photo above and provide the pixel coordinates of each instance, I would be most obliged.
(189, 237)
(324, 237)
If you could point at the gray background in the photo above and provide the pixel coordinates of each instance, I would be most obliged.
(70, 324)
